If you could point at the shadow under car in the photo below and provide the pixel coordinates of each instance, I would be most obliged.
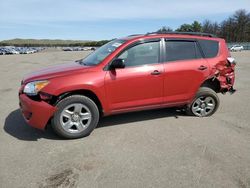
(16, 126)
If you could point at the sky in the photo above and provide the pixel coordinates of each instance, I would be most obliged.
(105, 19)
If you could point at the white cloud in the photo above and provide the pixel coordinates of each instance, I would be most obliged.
(19, 11)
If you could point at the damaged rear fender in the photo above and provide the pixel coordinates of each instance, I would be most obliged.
(224, 72)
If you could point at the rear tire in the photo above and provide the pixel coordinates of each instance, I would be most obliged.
(205, 103)
(76, 117)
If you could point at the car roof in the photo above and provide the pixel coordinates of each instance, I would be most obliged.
(186, 35)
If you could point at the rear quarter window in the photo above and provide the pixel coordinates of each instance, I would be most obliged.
(210, 48)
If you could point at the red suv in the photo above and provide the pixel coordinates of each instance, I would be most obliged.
(139, 72)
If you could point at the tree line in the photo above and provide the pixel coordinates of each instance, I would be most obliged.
(236, 28)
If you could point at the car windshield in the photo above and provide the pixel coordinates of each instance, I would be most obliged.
(101, 53)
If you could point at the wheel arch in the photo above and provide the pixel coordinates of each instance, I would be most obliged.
(212, 83)
(85, 92)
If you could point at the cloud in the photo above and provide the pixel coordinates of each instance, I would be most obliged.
(28, 11)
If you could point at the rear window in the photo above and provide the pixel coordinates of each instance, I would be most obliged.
(181, 50)
(210, 48)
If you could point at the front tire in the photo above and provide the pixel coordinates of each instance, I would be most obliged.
(205, 103)
(76, 117)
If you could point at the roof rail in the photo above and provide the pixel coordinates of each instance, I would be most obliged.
(183, 33)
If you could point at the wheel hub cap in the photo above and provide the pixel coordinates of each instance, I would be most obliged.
(75, 117)
(203, 106)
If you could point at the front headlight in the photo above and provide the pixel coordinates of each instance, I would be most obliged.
(32, 88)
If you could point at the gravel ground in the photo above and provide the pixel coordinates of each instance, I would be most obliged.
(156, 148)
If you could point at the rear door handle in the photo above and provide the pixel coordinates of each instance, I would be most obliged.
(155, 72)
(202, 67)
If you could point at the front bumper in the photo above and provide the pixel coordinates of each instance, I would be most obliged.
(36, 113)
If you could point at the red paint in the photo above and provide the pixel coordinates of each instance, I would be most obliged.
(131, 88)
(36, 114)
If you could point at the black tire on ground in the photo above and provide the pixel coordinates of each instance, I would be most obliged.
(64, 103)
(204, 92)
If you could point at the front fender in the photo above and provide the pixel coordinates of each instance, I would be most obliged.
(93, 83)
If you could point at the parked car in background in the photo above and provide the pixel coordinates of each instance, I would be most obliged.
(31, 50)
(22, 50)
(87, 48)
(78, 48)
(6, 52)
(139, 72)
(10, 50)
(2, 51)
(236, 48)
(67, 49)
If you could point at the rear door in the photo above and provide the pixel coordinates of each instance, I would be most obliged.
(185, 70)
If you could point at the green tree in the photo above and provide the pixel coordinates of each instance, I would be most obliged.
(165, 29)
(196, 27)
(185, 28)
(242, 21)
(237, 27)
(211, 27)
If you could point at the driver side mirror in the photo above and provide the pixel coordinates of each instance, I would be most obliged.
(117, 64)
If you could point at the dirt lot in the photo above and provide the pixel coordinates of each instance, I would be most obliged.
(159, 148)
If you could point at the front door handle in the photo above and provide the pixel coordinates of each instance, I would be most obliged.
(155, 72)
(202, 67)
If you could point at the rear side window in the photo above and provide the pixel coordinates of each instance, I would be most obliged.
(210, 48)
(182, 50)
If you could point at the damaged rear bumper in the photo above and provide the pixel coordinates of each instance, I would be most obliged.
(225, 74)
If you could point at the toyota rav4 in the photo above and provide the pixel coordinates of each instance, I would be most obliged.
(139, 72)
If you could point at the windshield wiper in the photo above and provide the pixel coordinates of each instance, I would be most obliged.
(78, 61)
(87, 64)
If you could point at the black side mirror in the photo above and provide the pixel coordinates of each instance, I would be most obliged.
(117, 64)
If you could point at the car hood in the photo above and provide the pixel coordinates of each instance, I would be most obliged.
(55, 71)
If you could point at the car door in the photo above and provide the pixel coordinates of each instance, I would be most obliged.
(185, 70)
(140, 83)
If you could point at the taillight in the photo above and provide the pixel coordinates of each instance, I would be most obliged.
(231, 62)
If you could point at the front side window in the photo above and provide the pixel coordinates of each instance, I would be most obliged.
(141, 54)
(181, 50)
